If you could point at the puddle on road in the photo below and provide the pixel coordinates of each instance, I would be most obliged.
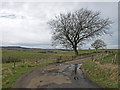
(61, 64)
(74, 71)
(64, 74)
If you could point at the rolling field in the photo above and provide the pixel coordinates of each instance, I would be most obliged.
(12, 71)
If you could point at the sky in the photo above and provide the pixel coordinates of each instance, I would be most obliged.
(25, 23)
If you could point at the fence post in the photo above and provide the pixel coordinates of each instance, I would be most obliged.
(23, 61)
(14, 63)
(92, 57)
(36, 60)
(115, 58)
(58, 59)
(72, 57)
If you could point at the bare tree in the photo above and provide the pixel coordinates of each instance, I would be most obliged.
(73, 28)
(99, 44)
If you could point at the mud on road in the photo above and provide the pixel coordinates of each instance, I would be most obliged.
(63, 75)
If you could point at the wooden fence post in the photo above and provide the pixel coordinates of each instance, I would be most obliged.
(14, 63)
(23, 61)
(92, 57)
(72, 57)
(115, 58)
(36, 60)
(58, 59)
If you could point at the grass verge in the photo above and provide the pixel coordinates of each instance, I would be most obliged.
(102, 72)
(10, 75)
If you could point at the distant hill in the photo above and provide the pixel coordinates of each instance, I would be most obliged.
(19, 48)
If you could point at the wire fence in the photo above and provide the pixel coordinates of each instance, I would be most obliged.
(59, 59)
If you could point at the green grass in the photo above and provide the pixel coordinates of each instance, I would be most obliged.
(9, 78)
(103, 72)
(12, 75)
(31, 55)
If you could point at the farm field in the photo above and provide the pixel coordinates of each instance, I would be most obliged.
(30, 60)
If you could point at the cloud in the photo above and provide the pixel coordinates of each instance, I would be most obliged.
(26, 23)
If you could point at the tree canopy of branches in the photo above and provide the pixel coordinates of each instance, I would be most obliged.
(99, 44)
(71, 29)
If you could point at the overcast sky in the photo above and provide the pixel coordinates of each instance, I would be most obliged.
(25, 24)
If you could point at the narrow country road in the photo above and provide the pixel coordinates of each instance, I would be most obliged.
(63, 75)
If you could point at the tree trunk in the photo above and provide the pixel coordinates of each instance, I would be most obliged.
(75, 50)
(96, 49)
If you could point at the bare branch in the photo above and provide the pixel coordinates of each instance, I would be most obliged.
(73, 28)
